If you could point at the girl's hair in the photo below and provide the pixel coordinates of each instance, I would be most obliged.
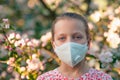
(69, 15)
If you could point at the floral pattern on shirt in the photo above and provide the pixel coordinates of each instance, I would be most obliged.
(93, 74)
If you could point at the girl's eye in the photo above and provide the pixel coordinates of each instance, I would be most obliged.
(61, 38)
(78, 37)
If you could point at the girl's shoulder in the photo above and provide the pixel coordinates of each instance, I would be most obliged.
(97, 75)
(48, 75)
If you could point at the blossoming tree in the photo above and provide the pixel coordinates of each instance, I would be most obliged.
(25, 49)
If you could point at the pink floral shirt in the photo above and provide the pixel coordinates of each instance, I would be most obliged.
(92, 74)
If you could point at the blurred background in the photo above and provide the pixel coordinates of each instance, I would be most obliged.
(32, 21)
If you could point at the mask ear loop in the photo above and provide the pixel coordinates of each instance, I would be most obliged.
(87, 44)
(58, 60)
(55, 45)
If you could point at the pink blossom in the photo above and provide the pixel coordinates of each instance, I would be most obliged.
(113, 39)
(22, 76)
(34, 56)
(22, 69)
(117, 64)
(3, 74)
(20, 42)
(9, 69)
(27, 40)
(45, 38)
(44, 44)
(3, 52)
(11, 37)
(11, 61)
(31, 3)
(7, 26)
(29, 43)
(115, 23)
(90, 25)
(5, 20)
(8, 48)
(117, 10)
(19, 51)
(1, 36)
(96, 16)
(94, 48)
(35, 42)
(109, 11)
(18, 36)
(34, 64)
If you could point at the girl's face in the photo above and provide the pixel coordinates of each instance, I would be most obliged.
(69, 30)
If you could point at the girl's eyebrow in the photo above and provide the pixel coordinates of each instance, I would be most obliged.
(60, 34)
(78, 32)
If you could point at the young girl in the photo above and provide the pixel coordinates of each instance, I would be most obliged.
(70, 40)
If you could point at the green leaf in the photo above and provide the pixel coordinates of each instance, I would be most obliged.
(12, 27)
(91, 56)
(10, 54)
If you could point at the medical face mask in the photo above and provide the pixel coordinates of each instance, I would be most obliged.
(71, 53)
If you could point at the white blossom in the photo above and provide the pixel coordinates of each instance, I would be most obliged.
(106, 57)
(117, 64)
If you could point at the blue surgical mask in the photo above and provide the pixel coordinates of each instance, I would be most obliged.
(71, 53)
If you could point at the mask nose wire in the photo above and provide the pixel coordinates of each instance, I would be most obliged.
(57, 45)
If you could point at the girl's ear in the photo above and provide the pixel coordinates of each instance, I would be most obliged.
(89, 42)
(88, 46)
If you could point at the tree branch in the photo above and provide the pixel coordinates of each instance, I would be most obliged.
(88, 7)
(76, 6)
(52, 55)
(52, 13)
(46, 6)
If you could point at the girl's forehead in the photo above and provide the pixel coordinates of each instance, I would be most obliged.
(71, 20)
(69, 25)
